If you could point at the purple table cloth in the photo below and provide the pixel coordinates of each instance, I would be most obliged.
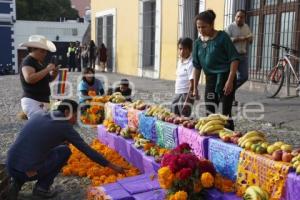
(225, 157)
(214, 194)
(126, 149)
(117, 192)
(292, 187)
(151, 195)
(139, 184)
(120, 116)
(199, 144)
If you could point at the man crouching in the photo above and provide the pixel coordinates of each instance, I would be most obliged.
(39, 152)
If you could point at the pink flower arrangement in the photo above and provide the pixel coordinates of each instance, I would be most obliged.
(186, 170)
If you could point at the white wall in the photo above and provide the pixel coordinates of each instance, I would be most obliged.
(23, 29)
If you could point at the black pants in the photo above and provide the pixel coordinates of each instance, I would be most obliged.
(213, 99)
(178, 102)
(48, 170)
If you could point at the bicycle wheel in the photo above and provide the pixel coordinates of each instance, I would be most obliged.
(275, 79)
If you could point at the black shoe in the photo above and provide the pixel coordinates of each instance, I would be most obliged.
(14, 190)
(43, 193)
(235, 103)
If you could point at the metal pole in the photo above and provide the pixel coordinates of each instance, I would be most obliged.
(287, 81)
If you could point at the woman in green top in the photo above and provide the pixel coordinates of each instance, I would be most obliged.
(215, 54)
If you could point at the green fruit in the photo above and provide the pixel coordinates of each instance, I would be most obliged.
(272, 148)
(298, 170)
(248, 145)
(286, 147)
(254, 146)
(296, 164)
(278, 143)
(265, 145)
(260, 150)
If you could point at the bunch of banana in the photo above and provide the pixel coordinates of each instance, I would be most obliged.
(117, 97)
(212, 124)
(113, 128)
(140, 142)
(296, 163)
(255, 193)
(251, 137)
(156, 111)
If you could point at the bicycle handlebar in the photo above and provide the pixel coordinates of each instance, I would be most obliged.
(287, 49)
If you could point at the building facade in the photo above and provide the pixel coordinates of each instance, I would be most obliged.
(61, 33)
(7, 22)
(142, 35)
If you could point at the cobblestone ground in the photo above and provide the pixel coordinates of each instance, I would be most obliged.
(73, 187)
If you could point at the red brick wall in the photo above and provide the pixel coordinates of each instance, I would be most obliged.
(80, 5)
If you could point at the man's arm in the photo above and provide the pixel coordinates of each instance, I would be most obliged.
(74, 138)
(32, 77)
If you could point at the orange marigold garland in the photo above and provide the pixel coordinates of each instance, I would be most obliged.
(80, 165)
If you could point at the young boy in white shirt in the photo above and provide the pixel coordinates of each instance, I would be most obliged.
(183, 101)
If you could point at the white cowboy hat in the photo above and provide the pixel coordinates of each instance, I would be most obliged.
(39, 41)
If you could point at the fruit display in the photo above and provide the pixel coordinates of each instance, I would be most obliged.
(117, 97)
(230, 136)
(128, 132)
(155, 151)
(212, 124)
(252, 140)
(255, 193)
(296, 163)
(138, 105)
(280, 151)
(184, 121)
(111, 126)
(140, 141)
(158, 111)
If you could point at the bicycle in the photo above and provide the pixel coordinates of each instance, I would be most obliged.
(280, 72)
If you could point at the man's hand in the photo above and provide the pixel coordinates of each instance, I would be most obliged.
(228, 88)
(31, 173)
(196, 94)
(117, 168)
(51, 67)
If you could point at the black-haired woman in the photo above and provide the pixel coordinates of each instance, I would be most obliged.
(215, 54)
(89, 86)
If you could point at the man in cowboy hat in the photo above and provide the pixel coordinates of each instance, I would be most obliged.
(35, 77)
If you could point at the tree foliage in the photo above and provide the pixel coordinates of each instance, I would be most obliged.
(45, 10)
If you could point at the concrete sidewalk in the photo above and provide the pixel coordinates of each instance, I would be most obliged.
(279, 112)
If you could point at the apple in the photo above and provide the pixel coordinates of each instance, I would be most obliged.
(277, 155)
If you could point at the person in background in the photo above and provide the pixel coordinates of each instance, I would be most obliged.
(241, 36)
(183, 100)
(92, 54)
(35, 77)
(40, 152)
(102, 57)
(78, 56)
(215, 54)
(72, 57)
(85, 56)
(124, 89)
(89, 85)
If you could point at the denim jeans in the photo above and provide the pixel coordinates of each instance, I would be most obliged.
(47, 171)
(242, 74)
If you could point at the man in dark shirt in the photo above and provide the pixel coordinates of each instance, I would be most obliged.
(35, 77)
(39, 151)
